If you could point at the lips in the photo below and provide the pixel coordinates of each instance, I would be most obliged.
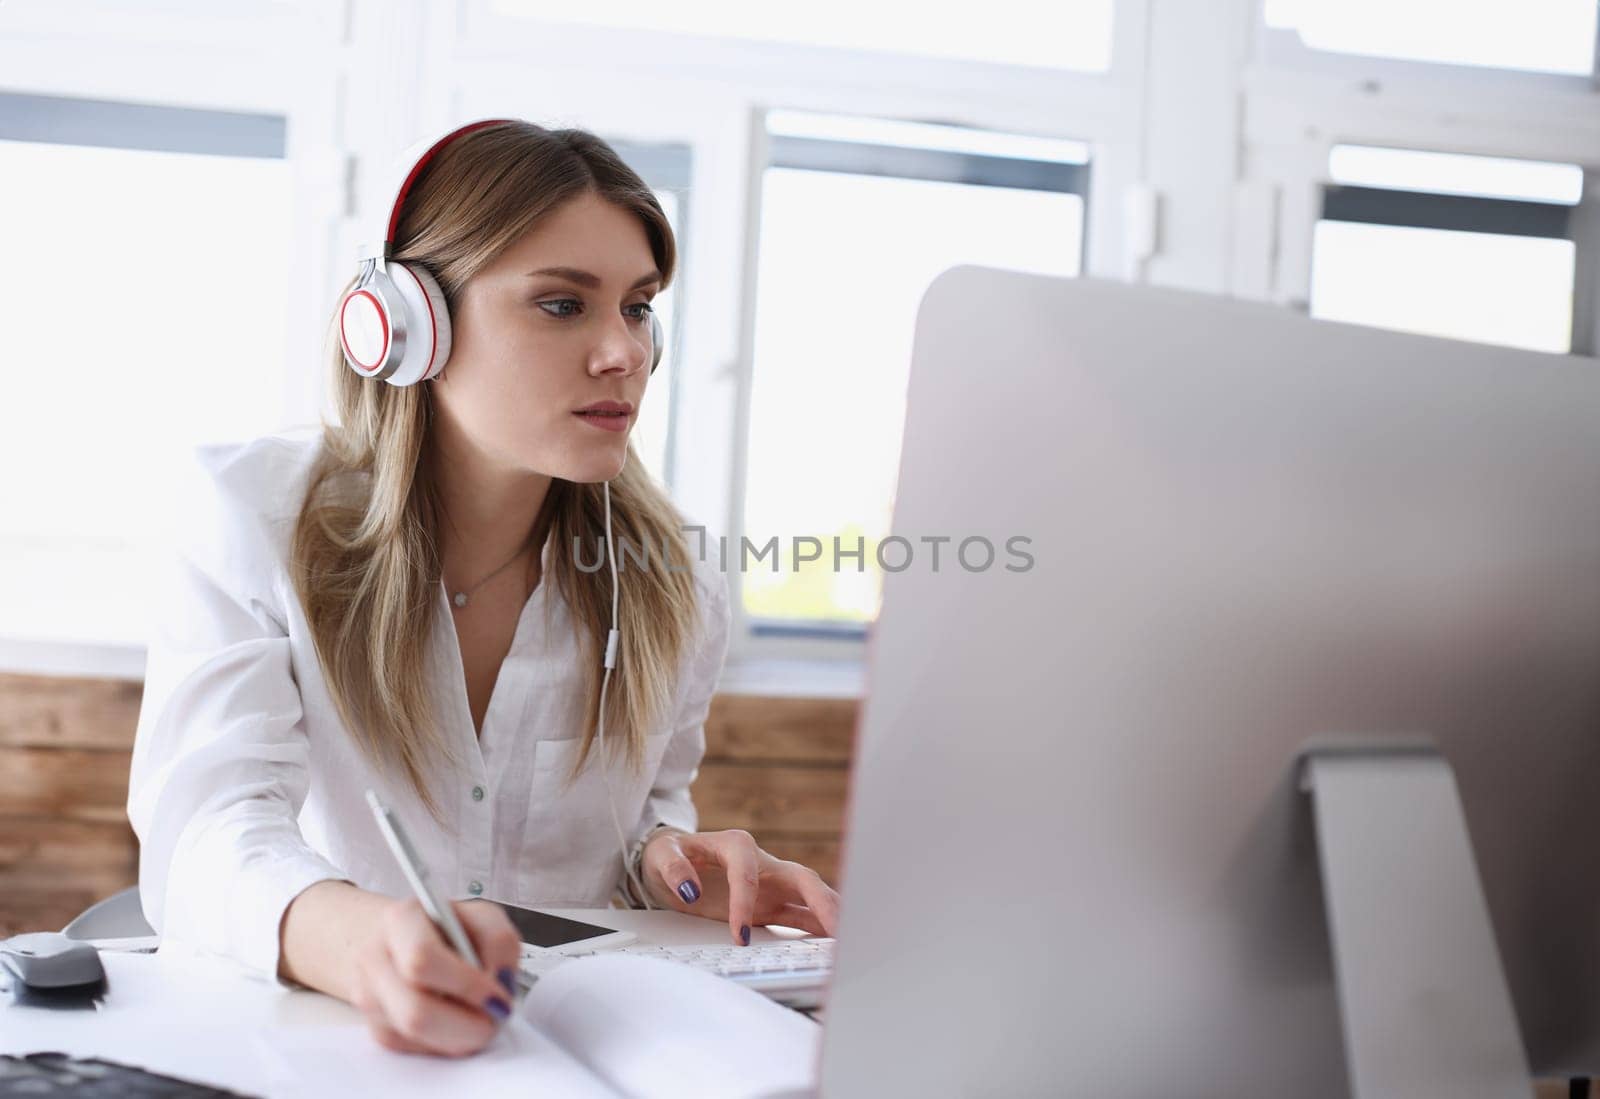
(606, 408)
(606, 421)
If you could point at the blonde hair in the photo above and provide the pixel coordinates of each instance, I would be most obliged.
(365, 556)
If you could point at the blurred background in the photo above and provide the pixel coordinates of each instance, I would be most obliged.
(185, 183)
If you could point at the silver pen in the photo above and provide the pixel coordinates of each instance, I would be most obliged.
(443, 916)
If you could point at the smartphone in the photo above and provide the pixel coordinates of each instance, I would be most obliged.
(543, 933)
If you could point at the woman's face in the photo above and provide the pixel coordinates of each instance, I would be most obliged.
(530, 349)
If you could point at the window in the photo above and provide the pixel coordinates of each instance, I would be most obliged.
(147, 267)
(1556, 36)
(1473, 248)
(1075, 35)
(666, 169)
(857, 217)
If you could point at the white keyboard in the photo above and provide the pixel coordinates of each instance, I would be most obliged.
(791, 971)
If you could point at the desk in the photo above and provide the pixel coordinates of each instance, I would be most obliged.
(202, 1018)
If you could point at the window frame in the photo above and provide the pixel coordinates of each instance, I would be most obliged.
(865, 158)
(1223, 148)
(191, 63)
(1494, 216)
(118, 124)
(1299, 103)
(109, 562)
(1283, 48)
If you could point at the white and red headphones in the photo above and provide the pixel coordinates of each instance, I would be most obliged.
(393, 323)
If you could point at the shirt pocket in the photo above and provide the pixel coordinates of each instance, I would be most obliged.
(570, 851)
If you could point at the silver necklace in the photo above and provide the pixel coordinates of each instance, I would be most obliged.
(460, 597)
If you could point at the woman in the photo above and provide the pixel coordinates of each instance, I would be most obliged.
(399, 602)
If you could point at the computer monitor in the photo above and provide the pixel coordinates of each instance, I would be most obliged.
(1078, 857)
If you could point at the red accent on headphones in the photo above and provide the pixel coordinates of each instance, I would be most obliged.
(383, 319)
(422, 162)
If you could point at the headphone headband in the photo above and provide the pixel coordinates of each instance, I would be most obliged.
(409, 165)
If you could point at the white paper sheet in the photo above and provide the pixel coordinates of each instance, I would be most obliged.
(346, 1060)
(602, 1027)
(659, 1029)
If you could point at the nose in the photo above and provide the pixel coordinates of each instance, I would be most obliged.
(624, 348)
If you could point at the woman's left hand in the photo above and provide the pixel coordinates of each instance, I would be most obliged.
(745, 885)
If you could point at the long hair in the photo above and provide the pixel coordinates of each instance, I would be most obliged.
(365, 557)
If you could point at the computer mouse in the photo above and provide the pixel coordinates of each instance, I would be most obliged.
(49, 960)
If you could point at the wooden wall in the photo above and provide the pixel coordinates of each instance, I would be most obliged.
(774, 766)
(778, 767)
(64, 835)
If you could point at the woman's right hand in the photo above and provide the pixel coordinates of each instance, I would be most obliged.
(419, 995)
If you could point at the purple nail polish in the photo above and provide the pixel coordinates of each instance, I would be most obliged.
(507, 979)
(498, 1008)
(687, 890)
(744, 934)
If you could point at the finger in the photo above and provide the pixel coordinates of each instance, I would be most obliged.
(495, 939)
(818, 896)
(669, 868)
(389, 1038)
(429, 1021)
(737, 852)
(364, 997)
(422, 958)
(799, 916)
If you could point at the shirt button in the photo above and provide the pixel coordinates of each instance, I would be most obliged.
(477, 793)
(475, 888)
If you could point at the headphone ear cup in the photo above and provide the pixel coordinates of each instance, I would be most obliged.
(427, 346)
(366, 333)
(658, 342)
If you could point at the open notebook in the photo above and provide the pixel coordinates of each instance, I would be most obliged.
(602, 1026)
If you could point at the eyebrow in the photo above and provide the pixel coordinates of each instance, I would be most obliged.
(584, 278)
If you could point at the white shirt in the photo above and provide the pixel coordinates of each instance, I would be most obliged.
(246, 788)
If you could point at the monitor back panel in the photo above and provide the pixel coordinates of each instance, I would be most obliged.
(1075, 861)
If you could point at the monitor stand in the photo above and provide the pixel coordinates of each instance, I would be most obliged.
(1422, 995)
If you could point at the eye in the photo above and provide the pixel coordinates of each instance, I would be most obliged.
(557, 312)
(558, 301)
